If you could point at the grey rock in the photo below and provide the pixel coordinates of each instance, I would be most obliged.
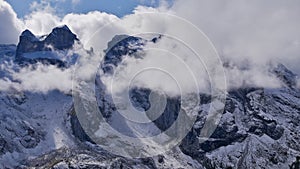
(61, 38)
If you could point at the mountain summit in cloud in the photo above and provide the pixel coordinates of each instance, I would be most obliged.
(60, 38)
(193, 84)
(46, 48)
(256, 123)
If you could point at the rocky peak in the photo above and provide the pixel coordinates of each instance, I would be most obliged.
(27, 43)
(118, 47)
(28, 36)
(285, 75)
(60, 38)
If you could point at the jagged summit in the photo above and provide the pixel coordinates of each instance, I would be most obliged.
(60, 38)
(118, 47)
(259, 127)
(28, 34)
(47, 49)
(65, 27)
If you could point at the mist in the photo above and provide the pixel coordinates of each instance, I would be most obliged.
(250, 38)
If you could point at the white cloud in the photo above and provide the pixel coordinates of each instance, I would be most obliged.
(10, 26)
(249, 35)
(256, 32)
(167, 65)
(40, 22)
(44, 78)
(85, 25)
(75, 2)
(41, 78)
(43, 19)
(43, 5)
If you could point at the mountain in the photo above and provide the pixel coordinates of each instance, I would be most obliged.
(259, 127)
(52, 48)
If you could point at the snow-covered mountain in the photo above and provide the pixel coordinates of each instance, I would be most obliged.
(259, 127)
(52, 48)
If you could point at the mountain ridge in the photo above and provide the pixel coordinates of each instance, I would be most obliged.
(259, 126)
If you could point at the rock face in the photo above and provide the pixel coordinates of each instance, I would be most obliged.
(61, 38)
(77, 129)
(84, 158)
(118, 47)
(285, 75)
(252, 116)
(121, 46)
(259, 127)
(256, 123)
(28, 43)
(7, 50)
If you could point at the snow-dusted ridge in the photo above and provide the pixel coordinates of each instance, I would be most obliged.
(259, 127)
(53, 48)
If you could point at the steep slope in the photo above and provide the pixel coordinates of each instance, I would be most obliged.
(259, 127)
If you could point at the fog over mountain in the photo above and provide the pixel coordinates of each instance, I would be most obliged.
(250, 37)
(187, 84)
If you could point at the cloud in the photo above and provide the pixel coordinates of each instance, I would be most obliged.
(42, 79)
(75, 2)
(250, 37)
(85, 25)
(254, 32)
(10, 25)
(43, 5)
(40, 22)
(167, 65)
(43, 19)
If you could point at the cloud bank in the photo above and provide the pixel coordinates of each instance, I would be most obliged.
(41, 78)
(250, 37)
(10, 25)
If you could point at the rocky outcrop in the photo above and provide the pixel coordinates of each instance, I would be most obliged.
(258, 123)
(84, 158)
(259, 127)
(285, 75)
(61, 38)
(118, 47)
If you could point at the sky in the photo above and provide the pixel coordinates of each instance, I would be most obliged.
(116, 7)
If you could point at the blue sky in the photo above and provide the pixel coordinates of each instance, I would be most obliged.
(116, 7)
